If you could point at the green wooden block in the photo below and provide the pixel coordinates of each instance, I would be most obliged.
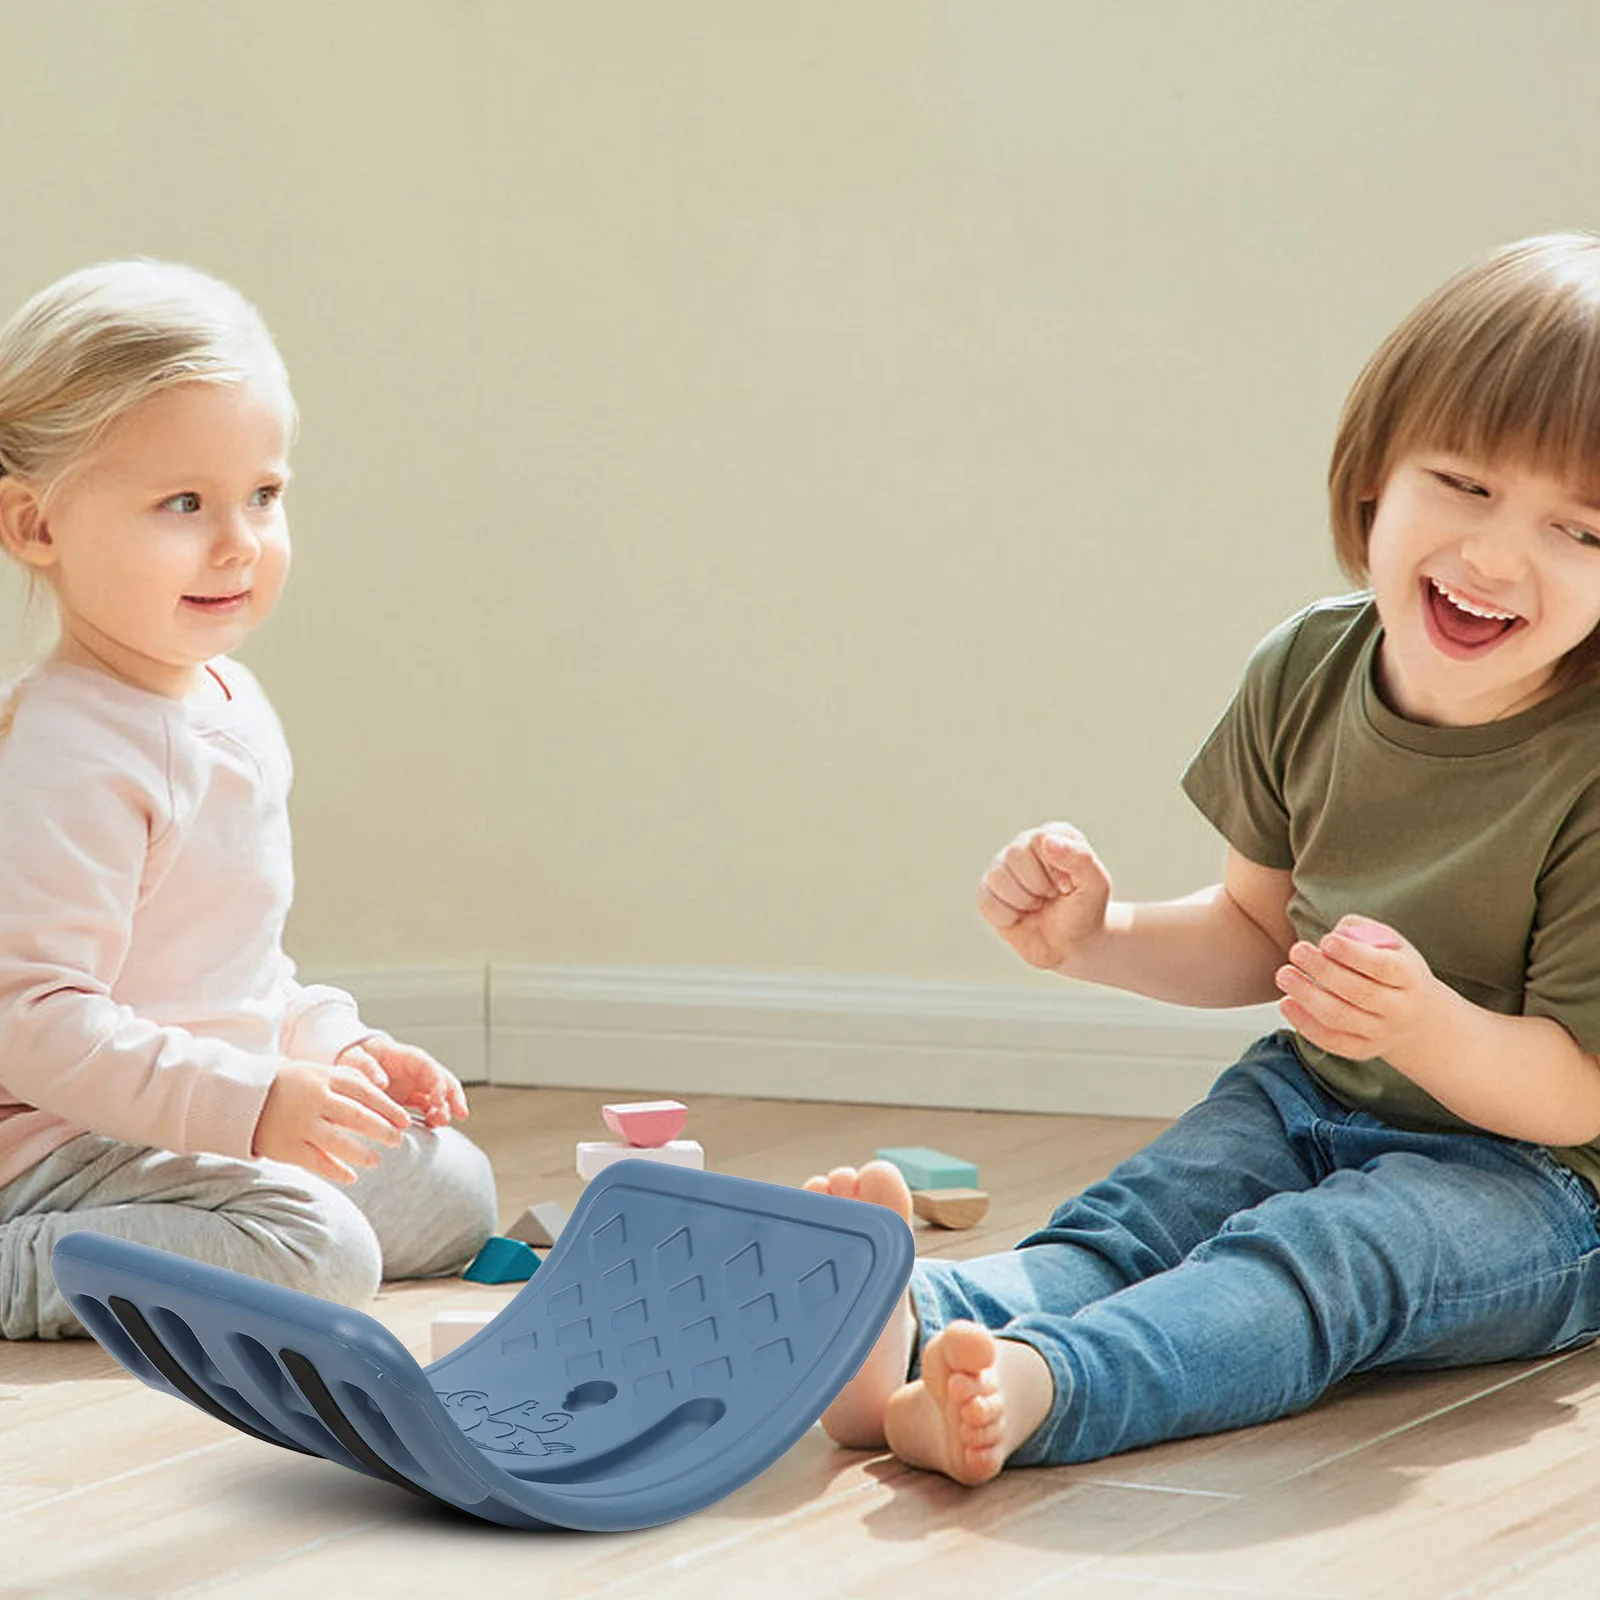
(923, 1168)
(502, 1261)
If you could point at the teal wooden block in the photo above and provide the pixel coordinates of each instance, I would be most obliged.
(502, 1261)
(923, 1168)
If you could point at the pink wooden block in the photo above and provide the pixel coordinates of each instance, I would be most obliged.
(1366, 931)
(647, 1124)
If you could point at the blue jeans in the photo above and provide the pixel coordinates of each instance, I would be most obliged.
(1268, 1244)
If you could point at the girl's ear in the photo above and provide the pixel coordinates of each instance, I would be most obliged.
(23, 530)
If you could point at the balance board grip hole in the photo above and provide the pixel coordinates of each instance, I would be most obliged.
(180, 1339)
(359, 1404)
(309, 1382)
(170, 1368)
(197, 1361)
(97, 1317)
(268, 1373)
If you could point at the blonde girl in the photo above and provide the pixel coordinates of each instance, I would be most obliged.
(163, 1075)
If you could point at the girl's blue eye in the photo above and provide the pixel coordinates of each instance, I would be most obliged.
(267, 493)
(187, 502)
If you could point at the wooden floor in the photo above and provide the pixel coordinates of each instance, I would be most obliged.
(1481, 1482)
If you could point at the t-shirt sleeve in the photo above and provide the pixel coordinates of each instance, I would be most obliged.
(1563, 975)
(1235, 778)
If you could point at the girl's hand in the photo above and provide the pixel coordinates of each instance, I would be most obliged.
(1045, 893)
(319, 1118)
(412, 1077)
(1363, 991)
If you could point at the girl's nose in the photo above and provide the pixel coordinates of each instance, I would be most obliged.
(237, 540)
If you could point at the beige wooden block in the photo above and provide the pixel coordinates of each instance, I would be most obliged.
(951, 1208)
(452, 1329)
(540, 1225)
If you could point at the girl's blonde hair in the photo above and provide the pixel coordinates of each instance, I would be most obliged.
(93, 344)
(83, 351)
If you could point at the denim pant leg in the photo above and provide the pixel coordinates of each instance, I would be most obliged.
(1417, 1250)
(1224, 1155)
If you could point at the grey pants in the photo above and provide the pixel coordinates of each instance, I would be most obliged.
(423, 1212)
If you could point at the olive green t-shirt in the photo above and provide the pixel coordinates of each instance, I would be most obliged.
(1481, 845)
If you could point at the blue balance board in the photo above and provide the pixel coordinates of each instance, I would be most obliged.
(684, 1331)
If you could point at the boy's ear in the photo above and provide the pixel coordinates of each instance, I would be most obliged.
(23, 529)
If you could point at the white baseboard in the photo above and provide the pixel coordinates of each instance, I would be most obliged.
(994, 1047)
(443, 1010)
(985, 1046)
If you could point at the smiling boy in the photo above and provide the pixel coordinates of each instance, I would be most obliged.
(1408, 782)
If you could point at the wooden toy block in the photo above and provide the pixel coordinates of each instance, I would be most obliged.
(452, 1329)
(1367, 931)
(502, 1260)
(647, 1123)
(923, 1168)
(594, 1155)
(950, 1208)
(540, 1225)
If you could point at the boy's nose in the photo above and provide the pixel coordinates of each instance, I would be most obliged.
(1498, 558)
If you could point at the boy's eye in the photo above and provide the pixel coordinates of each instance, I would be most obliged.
(1582, 535)
(187, 502)
(1461, 485)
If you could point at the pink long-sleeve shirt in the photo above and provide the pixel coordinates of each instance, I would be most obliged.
(145, 878)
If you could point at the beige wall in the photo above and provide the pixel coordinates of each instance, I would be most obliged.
(756, 457)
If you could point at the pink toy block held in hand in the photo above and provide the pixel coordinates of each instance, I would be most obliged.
(1366, 931)
(647, 1124)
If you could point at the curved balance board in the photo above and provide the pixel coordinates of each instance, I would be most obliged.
(686, 1329)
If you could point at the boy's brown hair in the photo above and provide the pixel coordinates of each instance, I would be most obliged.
(1502, 361)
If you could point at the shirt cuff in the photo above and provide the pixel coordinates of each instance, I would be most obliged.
(323, 1023)
(226, 1104)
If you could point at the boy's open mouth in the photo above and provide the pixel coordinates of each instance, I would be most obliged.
(1462, 628)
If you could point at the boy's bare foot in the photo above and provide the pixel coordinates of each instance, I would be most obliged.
(855, 1419)
(978, 1400)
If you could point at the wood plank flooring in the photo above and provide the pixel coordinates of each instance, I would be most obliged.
(1434, 1487)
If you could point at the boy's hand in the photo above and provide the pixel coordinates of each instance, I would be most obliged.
(1045, 893)
(412, 1077)
(319, 1118)
(1361, 992)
